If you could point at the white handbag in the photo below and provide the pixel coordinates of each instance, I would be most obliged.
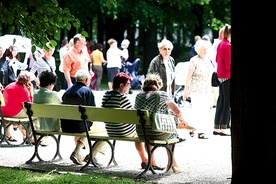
(163, 122)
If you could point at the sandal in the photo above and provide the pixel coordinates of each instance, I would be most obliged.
(155, 167)
(180, 139)
(176, 170)
(41, 144)
(11, 139)
(192, 133)
(202, 136)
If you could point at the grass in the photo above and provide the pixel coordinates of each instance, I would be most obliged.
(14, 176)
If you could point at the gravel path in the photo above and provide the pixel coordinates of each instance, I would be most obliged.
(203, 161)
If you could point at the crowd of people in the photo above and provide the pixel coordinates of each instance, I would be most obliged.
(79, 64)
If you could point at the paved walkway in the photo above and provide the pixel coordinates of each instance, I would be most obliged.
(203, 161)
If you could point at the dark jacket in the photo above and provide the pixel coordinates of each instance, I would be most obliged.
(157, 66)
(78, 94)
(6, 72)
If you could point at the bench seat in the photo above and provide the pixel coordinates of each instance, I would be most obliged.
(104, 136)
(97, 114)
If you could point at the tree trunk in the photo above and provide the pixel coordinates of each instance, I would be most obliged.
(132, 47)
(150, 49)
(252, 100)
(100, 29)
(115, 29)
(198, 12)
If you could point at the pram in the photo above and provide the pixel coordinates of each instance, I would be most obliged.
(181, 71)
(132, 70)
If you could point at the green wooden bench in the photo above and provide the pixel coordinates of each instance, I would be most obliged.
(7, 122)
(95, 114)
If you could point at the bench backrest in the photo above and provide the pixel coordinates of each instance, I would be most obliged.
(115, 115)
(59, 111)
(101, 114)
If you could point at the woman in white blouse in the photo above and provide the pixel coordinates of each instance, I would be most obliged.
(198, 87)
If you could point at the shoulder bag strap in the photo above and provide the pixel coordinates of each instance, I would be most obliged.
(47, 63)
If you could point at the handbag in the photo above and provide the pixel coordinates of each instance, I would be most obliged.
(163, 122)
(215, 81)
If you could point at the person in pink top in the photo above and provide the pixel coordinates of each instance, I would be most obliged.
(223, 59)
(14, 95)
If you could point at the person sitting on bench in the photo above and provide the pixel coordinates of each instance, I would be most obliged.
(14, 95)
(78, 94)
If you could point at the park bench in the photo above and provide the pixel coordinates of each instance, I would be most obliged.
(99, 114)
(7, 122)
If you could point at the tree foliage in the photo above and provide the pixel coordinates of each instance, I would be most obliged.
(42, 20)
(178, 20)
(39, 20)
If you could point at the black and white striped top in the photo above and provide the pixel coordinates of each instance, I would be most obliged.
(113, 99)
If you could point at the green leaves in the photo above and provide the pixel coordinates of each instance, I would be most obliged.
(39, 20)
(111, 3)
(84, 34)
(50, 45)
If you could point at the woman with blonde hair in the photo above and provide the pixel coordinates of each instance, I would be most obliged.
(147, 99)
(113, 57)
(198, 87)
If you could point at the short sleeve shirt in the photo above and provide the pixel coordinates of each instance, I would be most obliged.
(74, 60)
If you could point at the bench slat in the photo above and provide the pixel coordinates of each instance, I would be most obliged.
(59, 133)
(114, 115)
(56, 111)
(104, 136)
(62, 111)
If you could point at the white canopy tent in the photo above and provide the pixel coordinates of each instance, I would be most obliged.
(22, 43)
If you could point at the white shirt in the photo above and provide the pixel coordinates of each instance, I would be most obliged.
(62, 51)
(113, 56)
(170, 76)
(17, 65)
(125, 53)
(40, 65)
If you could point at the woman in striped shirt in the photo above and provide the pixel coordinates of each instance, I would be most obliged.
(116, 98)
(148, 100)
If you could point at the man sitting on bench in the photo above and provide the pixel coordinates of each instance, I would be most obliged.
(78, 94)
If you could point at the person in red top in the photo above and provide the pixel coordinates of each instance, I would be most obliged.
(223, 58)
(14, 95)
